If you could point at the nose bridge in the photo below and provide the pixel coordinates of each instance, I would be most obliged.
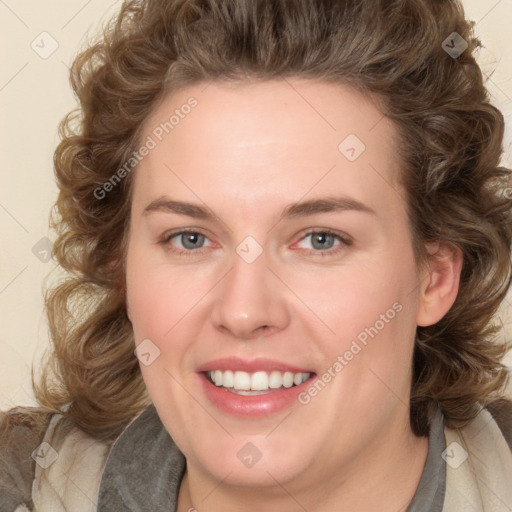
(250, 299)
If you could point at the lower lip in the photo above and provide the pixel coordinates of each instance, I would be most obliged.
(255, 406)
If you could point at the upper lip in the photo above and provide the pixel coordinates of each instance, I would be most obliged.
(251, 366)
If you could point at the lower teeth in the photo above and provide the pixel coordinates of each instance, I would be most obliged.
(252, 392)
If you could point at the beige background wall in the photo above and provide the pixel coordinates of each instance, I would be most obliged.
(39, 40)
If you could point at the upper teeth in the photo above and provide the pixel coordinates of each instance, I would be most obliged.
(258, 381)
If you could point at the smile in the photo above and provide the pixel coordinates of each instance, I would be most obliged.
(253, 389)
(242, 382)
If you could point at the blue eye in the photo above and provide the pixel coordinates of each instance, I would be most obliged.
(322, 239)
(190, 241)
(323, 242)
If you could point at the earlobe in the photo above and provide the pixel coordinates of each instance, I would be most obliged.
(440, 282)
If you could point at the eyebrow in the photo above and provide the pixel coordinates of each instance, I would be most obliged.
(292, 211)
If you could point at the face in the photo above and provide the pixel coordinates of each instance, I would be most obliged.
(295, 269)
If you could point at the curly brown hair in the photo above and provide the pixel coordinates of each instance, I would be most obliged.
(391, 50)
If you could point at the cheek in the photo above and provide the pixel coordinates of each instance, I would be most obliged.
(371, 314)
(376, 360)
(360, 301)
(158, 296)
(145, 301)
(164, 303)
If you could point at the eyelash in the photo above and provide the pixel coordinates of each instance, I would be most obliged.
(345, 242)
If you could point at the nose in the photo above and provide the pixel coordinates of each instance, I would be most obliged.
(250, 301)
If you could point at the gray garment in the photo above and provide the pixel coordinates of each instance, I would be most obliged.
(144, 470)
(429, 496)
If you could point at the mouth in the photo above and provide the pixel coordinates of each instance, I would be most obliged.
(257, 383)
(253, 389)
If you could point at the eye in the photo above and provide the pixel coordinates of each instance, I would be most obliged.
(184, 242)
(323, 241)
(188, 242)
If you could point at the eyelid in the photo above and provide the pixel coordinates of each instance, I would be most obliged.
(345, 240)
(168, 235)
(342, 236)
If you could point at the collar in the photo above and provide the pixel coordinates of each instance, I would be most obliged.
(144, 469)
(431, 490)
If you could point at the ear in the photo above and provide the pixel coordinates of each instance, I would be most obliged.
(439, 283)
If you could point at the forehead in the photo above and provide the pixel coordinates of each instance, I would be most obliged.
(279, 139)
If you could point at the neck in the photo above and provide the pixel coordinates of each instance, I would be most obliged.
(384, 477)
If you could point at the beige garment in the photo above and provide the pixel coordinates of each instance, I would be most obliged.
(71, 482)
(478, 472)
(483, 482)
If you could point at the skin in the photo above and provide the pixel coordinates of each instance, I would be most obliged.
(245, 152)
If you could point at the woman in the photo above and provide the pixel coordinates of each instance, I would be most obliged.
(286, 237)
